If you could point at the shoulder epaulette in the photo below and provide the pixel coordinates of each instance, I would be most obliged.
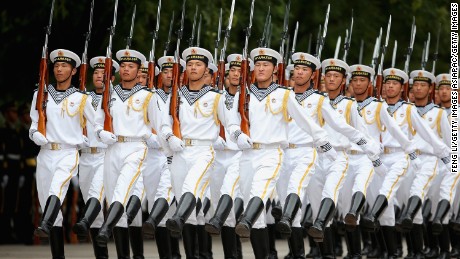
(215, 90)
(83, 92)
(320, 93)
(149, 90)
(285, 88)
(349, 98)
(408, 103)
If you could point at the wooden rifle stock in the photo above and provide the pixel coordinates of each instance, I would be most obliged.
(184, 79)
(174, 105)
(151, 75)
(253, 78)
(106, 95)
(317, 81)
(370, 90)
(406, 91)
(82, 87)
(42, 96)
(433, 92)
(220, 86)
(243, 100)
(378, 86)
(281, 74)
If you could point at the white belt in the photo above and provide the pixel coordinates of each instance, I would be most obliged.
(197, 142)
(293, 146)
(391, 150)
(355, 152)
(265, 146)
(13, 156)
(58, 146)
(122, 139)
(341, 149)
(93, 150)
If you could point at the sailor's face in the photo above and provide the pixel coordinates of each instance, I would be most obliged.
(333, 80)
(359, 84)
(445, 93)
(302, 74)
(128, 71)
(142, 78)
(63, 70)
(98, 78)
(392, 88)
(195, 69)
(234, 75)
(167, 76)
(421, 89)
(263, 70)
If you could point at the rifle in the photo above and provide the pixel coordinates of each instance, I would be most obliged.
(108, 75)
(151, 68)
(309, 44)
(198, 33)
(347, 42)
(320, 45)
(262, 41)
(221, 69)
(243, 102)
(84, 57)
(42, 94)
(379, 78)
(294, 41)
(375, 57)
(337, 47)
(174, 105)
(395, 50)
(284, 36)
(435, 55)
(168, 42)
(427, 52)
(361, 49)
(192, 37)
(408, 55)
(131, 30)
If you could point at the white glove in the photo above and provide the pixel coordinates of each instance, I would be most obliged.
(85, 143)
(379, 167)
(415, 161)
(107, 137)
(244, 142)
(448, 163)
(370, 147)
(328, 151)
(175, 143)
(219, 144)
(39, 139)
(152, 141)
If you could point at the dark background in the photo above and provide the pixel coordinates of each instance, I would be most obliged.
(23, 22)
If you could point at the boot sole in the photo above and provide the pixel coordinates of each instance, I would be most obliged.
(284, 229)
(79, 230)
(316, 233)
(102, 240)
(351, 220)
(369, 225)
(277, 213)
(242, 230)
(39, 232)
(174, 228)
(148, 230)
(212, 229)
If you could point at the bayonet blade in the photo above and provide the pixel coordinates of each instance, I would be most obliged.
(128, 41)
(435, 55)
(337, 47)
(361, 49)
(395, 50)
(198, 33)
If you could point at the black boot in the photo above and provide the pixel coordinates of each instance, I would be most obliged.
(307, 218)
(113, 215)
(137, 242)
(291, 206)
(53, 204)
(92, 209)
(259, 243)
(326, 211)
(416, 236)
(277, 210)
(206, 206)
(238, 207)
(378, 245)
(185, 207)
(273, 254)
(56, 235)
(239, 247)
(370, 221)
(326, 247)
(163, 244)
(175, 249)
(224, 206)
(444, 243)
(456, 222)
(250, 215)
(229, 242)
(410, 251)
(366, 240)
(390, 241)
(432, 245)
(190, 241)
(203, 242)
(132, 208)
(357, 202)
(296, 243)
(100, 252)
(354, 244)
(405, 222)
(441, 212)
(159, 209)
(121, 237)
(314, 249)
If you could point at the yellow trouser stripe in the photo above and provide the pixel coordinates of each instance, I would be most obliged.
(206, 169)
(100, 194)
(367, 181)
(397, 179)
(280, 156)
(169, 195)
(70, 176)
(204, 188)
(135, 176)
(430, 179)
(306, 172)
(341, 179)
(234, 186)
(453, 186)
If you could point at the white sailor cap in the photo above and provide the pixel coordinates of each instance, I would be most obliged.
(395, 74)
(145, 68)
(305, 59)
(265, 54)
(196, 53)
(289, 69)
(63, 55)
(362, 70)
(168, 62)
(130, 55)
(99, 62)
(337, 65)
(443, 79)
(227, 68)
(237, 59)
(212, 68)
(422, 75)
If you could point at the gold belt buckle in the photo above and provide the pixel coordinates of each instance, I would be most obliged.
(418, 152)
(292, 146)
(354, 152)
(121, 139)
(55, 146)
(93, 150)
(386, 150)
(188, 142)
(256, 145)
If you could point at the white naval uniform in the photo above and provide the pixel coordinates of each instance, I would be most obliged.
(57, 161)
(134, 113)
(200, 115)
(270, 110)
(331, 175)
(91, 166)
(226, 174)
